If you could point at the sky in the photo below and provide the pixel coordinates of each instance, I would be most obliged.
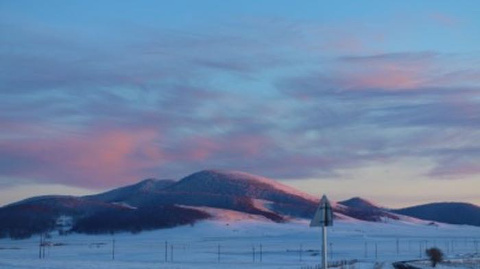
(378, 99)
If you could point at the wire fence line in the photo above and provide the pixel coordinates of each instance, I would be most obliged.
(213, 250)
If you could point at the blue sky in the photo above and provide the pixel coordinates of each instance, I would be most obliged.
(371, 98)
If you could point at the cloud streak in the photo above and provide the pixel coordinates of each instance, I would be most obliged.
(267, 96)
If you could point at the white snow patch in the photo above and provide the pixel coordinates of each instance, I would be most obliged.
(234, 241)
(123, 204)
(227, 215)
(262, 205)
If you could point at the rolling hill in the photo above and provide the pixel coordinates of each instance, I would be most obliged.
(453, 213)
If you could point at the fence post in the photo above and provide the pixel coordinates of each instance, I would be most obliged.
(420, 248)
(366, 249)
(43, 246)
(40, 247)
(261, 253)
(113, 249)
(300, 252)
(166, 251)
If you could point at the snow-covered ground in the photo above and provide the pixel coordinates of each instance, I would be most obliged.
(239, 242)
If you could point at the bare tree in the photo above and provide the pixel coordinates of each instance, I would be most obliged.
(435, 255)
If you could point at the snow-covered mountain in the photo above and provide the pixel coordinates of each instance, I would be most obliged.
(232, 191)
(153, 203)
(243, 192)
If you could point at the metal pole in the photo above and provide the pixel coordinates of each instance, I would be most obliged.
(324, 247)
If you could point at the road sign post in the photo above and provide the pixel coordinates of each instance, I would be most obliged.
(323, 218)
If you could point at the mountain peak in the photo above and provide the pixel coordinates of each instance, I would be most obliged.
(236, 183)
(123, 193)
(358, 202)
(153, 184)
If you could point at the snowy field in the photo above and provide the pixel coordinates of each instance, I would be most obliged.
(246, 243)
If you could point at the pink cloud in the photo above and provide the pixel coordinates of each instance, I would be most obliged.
(406, 70)
(102, 158)
(198, 149)
(387, 77)
(113, 152)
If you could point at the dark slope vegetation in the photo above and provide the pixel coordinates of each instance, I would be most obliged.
(22, 219)
(453, 213)
(39, 214)
(112, 220)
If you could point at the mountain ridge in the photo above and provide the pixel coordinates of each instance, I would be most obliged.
(184, 202)
(123, 193)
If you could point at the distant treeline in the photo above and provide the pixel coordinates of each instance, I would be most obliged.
(20, 222)
(136, 220)
(24, 221)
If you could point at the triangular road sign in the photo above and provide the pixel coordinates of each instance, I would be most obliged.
(324, 214)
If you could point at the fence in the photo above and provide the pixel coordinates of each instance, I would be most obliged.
(268, 250)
